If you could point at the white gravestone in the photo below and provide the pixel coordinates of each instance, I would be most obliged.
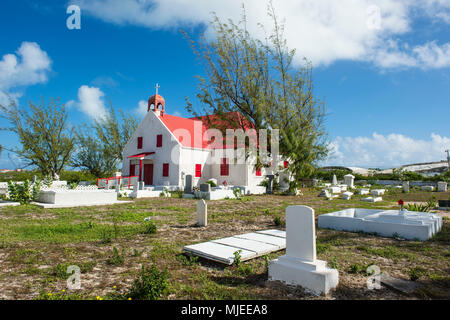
(377, 192)
(363, 191)
(334, 182)
(202, 213)
(442, 186)
(405, 186)
(349, 180)
(299, 266)
(347, 195)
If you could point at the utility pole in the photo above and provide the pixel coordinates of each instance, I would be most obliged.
(448, 158)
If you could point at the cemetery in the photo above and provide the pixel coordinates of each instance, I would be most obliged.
(274, 246)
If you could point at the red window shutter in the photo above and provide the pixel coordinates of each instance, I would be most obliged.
(159, 140)
(258, 172)
(165, 169)
(224, 167)
(286, 164)
(198, 170)
(139, 141)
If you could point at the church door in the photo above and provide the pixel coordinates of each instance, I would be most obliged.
(148, 173)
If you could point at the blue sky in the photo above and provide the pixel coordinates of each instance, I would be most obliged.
(386, 85)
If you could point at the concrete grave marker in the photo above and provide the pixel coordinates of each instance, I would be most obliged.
(299, 266)
(405, 186)
(188, 187)
(442, 186)
(202, 213)
(349, 180)
(205, 187)
(270, 184)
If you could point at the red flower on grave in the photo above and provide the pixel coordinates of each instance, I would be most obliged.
(400, 202)
(225, 183)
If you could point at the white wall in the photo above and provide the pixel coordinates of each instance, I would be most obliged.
(149, 128)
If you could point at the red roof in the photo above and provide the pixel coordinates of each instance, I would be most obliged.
(189, 131)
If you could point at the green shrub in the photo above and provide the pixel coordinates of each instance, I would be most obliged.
(23, 192)
(416, 273)
(149, 227)
(150, 284)
(211, 183)
(187, 260)
(237, 258)
(278, 222)
(116, 258)
(237, 193)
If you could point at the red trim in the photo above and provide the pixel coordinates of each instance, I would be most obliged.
(159, 141)
(258, 172)
(140, 169)
(141, 155)
(165, 169)
(198, 170)
(115, 178)
(224, 167)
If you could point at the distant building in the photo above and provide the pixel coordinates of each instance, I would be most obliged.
(427, 168)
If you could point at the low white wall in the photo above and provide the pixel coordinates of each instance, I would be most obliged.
(77, 197)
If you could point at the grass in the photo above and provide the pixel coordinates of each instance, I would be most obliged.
(110, 244)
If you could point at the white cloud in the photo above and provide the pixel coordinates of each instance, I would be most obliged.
(28, 66)
(322, 30)
(142, 108)
(91, 102)
(386, 151)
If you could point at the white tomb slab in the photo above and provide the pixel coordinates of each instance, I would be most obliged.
(347, 195)
(406, 224)
(8, 203)
(343, 187)
(264, 238)
(335, 189)
(377, 192)
(428, 188)
(274, 232)
(363, 191)
(62, 198)
(372, 199)
(252, 245)
(300, 266)
(219, 252)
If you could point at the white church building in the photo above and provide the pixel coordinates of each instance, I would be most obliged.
(165, 148)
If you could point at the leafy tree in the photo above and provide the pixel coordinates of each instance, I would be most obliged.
(259, 80)
(114, 134)
(92, 156)
(46, 140)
